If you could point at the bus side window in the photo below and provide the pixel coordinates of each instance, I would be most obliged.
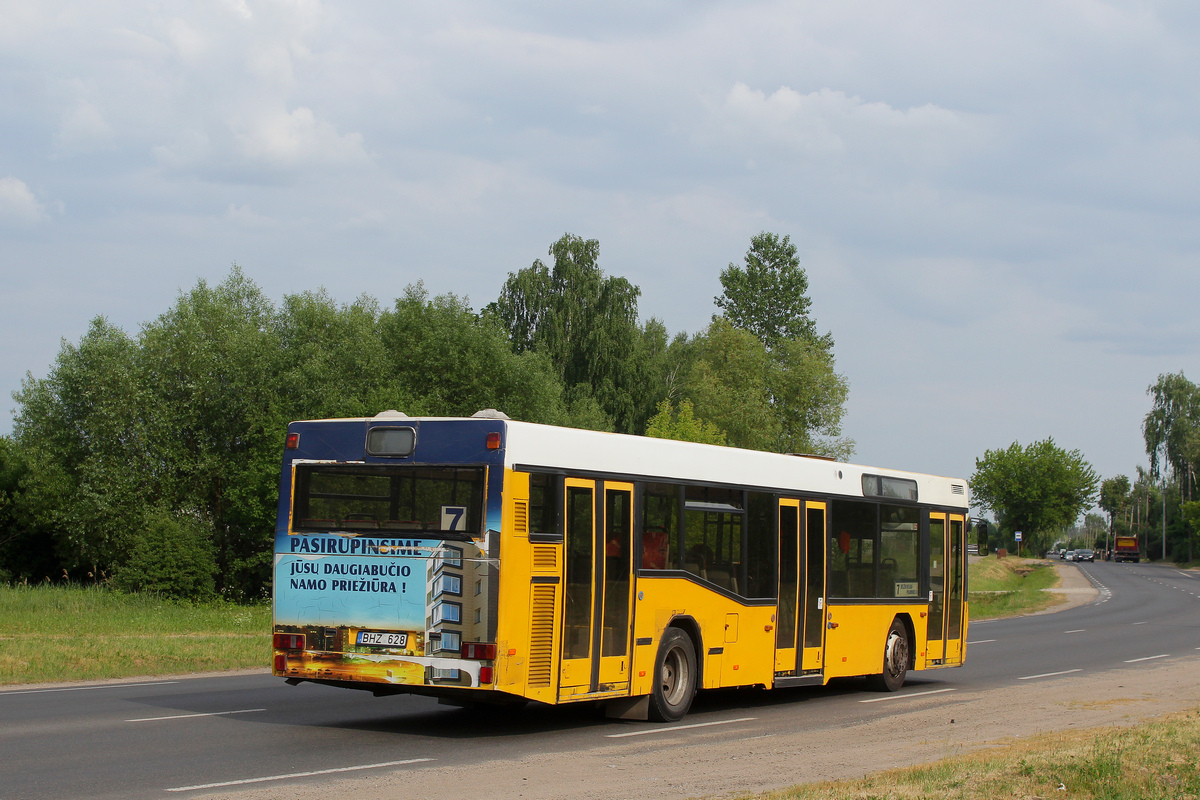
(543, 505)
(660, 526)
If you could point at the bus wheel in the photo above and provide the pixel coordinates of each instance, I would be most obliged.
(674, 677)
(895, 659)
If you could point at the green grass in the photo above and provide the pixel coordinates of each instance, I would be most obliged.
(1010, 586)
(1154, 761)
(57, 633)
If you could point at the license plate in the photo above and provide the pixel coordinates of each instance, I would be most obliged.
(379, 639)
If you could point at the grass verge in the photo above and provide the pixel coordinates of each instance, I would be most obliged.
(1010, 586)
(1153, 761)
(70, 633)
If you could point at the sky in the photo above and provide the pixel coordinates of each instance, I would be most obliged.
(996, 203)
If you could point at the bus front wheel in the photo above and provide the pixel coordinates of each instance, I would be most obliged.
(896, 652)
(674, 677)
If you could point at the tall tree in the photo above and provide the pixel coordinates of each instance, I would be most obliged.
(769, 296)
(1172, 430)
(1039, 489)
(212, 365)
(586, 323)
(1114, 498)
(799, 398)
(84, 434)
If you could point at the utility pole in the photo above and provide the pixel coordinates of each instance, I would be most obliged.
(1164, 517)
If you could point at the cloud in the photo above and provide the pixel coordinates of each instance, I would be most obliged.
(18, 206)
(282, 138)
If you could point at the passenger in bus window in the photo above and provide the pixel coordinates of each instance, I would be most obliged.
(654, 548)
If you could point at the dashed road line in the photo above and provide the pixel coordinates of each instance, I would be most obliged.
(190, 716)
(1147, 658)
(85, 688)
(903, 696)
(1049, 674)
(678, 728)
(981, 641)
(290, 775)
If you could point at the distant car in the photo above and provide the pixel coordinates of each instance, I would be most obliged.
(1085, 555)
(1069, 556)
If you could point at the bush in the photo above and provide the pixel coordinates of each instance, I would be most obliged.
(172, 557)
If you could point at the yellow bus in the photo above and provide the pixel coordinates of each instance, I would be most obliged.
(485, 560)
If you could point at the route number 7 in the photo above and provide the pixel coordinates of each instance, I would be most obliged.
(454, 518)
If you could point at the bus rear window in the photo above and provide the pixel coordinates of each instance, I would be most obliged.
(436, 500)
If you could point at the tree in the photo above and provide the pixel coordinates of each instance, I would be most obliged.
(173, 557)
(787, 397)
(84, 436)
(586, 324)
(682, 425)
(1114, 499)
(769, 296)
(1039, 489)
(1172, 430)
(212, 363)
(785, 400)
(461, 363)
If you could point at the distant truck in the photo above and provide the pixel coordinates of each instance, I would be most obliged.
(1126, 548)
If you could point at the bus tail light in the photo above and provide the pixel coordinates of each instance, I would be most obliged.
(479, 651)
(493, 440)
(281, 662)
(289, 641)
(293, 441)
(485, 674)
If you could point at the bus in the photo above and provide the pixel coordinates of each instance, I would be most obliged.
(485, 560)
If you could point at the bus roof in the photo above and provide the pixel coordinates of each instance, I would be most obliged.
(532, 446)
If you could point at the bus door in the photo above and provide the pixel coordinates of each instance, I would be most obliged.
(814, 595)
(946, 571)
(597, 600)
(789, 617)
(800, 624)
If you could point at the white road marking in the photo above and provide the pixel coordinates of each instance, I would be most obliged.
(903, 696)
(981, 641)
(1139, 623)
(298, 775)
(1077, 630)
(84, 688)
(678, 727)
(1148, 658)
(189, 716)
(1049, 674)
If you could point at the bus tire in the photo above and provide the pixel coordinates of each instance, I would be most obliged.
(674, 677)
(896, 653)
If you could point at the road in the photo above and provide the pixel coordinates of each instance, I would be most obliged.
(251, 733)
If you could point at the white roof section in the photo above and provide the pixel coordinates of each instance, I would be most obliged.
(530, 444)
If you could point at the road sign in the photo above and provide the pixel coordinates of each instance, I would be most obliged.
(1018, 536)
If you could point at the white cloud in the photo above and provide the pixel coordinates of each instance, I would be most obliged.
(18, 206)
(84, 129)
(280, 138)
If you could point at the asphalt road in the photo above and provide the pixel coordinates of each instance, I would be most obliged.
(179, 738)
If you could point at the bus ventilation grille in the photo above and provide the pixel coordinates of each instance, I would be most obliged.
(521, 517)
(957, 488)
(545, 559)
(541, 634)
